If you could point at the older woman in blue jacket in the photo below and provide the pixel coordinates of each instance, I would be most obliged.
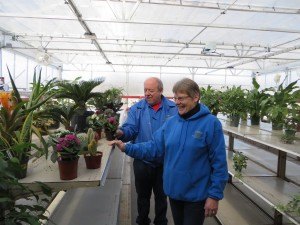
(191, 146)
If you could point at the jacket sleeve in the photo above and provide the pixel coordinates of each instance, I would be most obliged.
(131, 127)
(217, 157)
(151, 151)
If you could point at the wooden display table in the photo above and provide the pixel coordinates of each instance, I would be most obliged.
(263, 138)
(46, 171)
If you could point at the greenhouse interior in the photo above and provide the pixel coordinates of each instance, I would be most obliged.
(89, 88)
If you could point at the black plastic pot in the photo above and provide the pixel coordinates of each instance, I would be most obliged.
(79, 121)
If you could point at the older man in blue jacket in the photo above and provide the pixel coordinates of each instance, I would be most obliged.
(144, 118)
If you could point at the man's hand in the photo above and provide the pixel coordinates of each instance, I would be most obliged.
(211, 207)
(118, 143)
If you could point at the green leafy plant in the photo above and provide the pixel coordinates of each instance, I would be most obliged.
(234, 101)
(239, 163)
(254, 99)
(288, 138)
(293, 206)
(12, 212)
(62, 113)
(17, 123)
(280, 102)
(110, 99)
(212, 99)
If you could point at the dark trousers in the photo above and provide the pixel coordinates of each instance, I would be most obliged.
(148, 178)
(187, 213)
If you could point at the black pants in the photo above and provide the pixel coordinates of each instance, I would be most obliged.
(148, 178)
(187, 213)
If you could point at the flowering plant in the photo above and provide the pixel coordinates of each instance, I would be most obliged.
(291, 123)
(111, 120)
(96, 121)
(66, 145)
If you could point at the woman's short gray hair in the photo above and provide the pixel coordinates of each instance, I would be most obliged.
(187, 86)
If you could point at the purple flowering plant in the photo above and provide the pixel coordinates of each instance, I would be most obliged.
(111, 120)
(66, 146)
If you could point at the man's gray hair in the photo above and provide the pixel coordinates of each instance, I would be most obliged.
(160, 85)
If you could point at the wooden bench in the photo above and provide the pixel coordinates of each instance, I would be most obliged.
(267, 186)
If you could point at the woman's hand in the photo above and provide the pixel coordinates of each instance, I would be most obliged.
(118, 143)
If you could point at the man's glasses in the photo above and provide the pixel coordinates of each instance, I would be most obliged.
(181, 98)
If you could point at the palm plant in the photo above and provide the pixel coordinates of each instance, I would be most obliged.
(80, 92)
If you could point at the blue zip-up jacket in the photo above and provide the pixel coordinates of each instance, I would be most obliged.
(143, 121)
(194, 156)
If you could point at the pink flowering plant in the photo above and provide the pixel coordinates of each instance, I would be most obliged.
(66, 146)
(111, 120)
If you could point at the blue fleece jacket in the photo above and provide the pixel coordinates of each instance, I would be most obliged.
(143, 121)
(194, 156)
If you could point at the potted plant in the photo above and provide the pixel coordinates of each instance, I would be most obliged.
(234, 104)
(212, 99)
(290, 128)
(96, 122)
(62, 113)
(12, 212)
(16, 123)
(278, 104)
(66, 148)
(110, 124)
(254, 99)
(80, 92)
(293, 206)
(91, 155)
(239, 163)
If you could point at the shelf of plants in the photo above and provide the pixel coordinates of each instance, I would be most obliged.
(44, 170)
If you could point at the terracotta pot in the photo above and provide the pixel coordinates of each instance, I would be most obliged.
(93, 161)
(68, 168)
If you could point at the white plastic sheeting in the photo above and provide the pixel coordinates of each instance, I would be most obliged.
(164, 38)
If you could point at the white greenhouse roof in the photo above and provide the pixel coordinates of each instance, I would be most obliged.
(242, 36)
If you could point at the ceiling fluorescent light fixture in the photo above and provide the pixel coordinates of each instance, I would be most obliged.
(210, 47)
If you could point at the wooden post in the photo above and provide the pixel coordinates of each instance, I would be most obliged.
(281, 164)
(277, 218)
(231, 142)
